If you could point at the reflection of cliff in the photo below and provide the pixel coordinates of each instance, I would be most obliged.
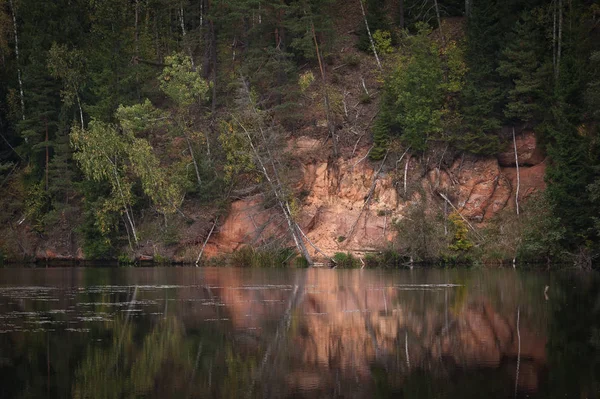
(279, 333)
(346, 326)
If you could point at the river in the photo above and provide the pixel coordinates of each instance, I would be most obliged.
(181, 332)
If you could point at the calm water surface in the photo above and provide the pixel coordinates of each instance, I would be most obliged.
(235, 333)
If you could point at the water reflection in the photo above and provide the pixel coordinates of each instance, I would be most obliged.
(187, 332)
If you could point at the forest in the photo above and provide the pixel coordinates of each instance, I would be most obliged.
(129, 127)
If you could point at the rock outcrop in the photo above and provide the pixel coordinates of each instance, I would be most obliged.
(347, 208)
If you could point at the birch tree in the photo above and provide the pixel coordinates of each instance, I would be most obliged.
(182, 84)
(68, 66)
(13, 12)
(101, 155)
(106, 152)
(250, 123)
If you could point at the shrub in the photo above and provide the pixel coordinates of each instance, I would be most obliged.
(460, 241)
(352, 60)
(124, 259)
(345, 260)
(420, 233)
(251, 257)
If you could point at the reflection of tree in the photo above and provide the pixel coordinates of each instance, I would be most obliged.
(124, 369)
(574, 337)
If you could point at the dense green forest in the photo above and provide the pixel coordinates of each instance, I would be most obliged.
(113, 112)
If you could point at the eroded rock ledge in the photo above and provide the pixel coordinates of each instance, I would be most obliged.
(333, 213)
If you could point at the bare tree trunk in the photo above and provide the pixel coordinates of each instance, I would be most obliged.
(80, 111)
(213, 56)
(554, 39)
(281, 201)
(136, 28)
(406, 172)
(201, 13)
(125, 207)
(467, 8)
(461, 216)
(184, 34)
(206, 241)
(330, 123)
(401, 12)
(439, 21)
(367, 199)
(189, 144)
(47, 153)
(560, 23)
(518, 174)
(15, 31)
(362, 8)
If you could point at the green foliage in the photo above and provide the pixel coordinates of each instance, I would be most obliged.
(97, 244)
(421, 234)
(161, 260)
(125, 260)
(345, 260)
(460, 240)
(521, 64)
(181, 83)
(69, 66)
(415, 87)
(300, 262)
(239, 158)
(104, 154)
(413, 103)
(305, 80)
(388, 258)
(36, 203)
(264, 258)
(542, 232)
(383, 41)
(377, 20)
(351, 59)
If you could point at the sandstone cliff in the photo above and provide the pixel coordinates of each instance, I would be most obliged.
(336, 216)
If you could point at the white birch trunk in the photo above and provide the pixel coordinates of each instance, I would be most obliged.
(80, 111)
(560, 23)
(206, 241)
(554, 39)
(518, 174)
(125, 207)
(283, 204)
(406, 172)
(15, 31)
(362, 8)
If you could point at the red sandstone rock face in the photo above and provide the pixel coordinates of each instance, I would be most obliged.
(248, 222)
(528, 150)
(334, 215)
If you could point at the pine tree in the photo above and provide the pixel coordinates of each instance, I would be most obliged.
(524, 63)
